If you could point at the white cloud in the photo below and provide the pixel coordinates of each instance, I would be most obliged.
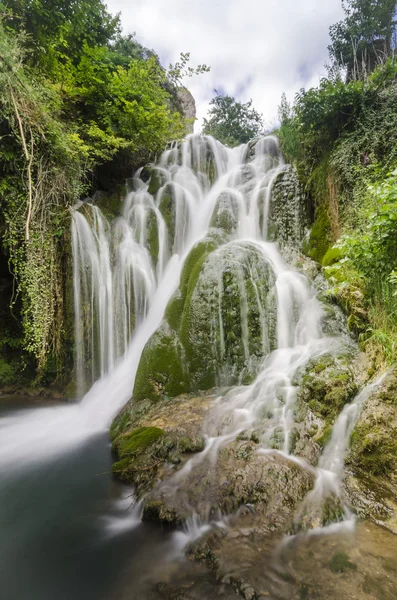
(256, 48)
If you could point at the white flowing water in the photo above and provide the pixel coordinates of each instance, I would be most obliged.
(125, 273)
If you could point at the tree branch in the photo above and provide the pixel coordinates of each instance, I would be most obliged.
(29, 160)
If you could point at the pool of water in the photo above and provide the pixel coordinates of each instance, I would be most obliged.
(67, 532)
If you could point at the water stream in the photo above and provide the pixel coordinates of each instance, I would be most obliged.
(126, 270)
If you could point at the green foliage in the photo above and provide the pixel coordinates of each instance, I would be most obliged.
(343, 140)
(7, 373)
(364, 38)
(232, 122)
(80, 103)
(332, 256)
(181, 69)
(58, 30)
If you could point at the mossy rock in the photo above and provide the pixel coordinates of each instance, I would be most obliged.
(137, 451)
(158, 178)
(162, 369)
(158, 512)
(226, 212)
(167, 207)
(327, 383)
(229, 316)
(319, 239)
(288, 215)
(137, 441)
(374, 438)
(217, 327)
(153, 236)
(340, 563)
(191, 445)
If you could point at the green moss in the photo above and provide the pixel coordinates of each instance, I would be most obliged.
(373, 449)
(193, 264)
(221, 299)
(319, 239)
(225, 215)
(325, 437)
(340, 563)
(162, 369)
(327, 385)
(121, 466)
(167, 209)
(153, 236)
(157, 180)
(137, 441)
(173, 312)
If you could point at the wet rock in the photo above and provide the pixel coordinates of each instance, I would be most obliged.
(217, 327)
(326, 384)
(288, 214)
(157, 511)
(154, 439)
(239, 478)
(228, 321)
(371, 482)
(162, 369)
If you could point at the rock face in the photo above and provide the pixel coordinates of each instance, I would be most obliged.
(155, 442)
(218, 326)
(249, 458)
(152, 440)
(188, 105)
(371, 479)
(326, 384)
(288, 216)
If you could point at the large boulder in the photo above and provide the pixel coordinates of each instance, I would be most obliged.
(218, 326)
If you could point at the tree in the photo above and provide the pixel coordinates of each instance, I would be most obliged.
(57, 30)
(232, 122)
(364, 38)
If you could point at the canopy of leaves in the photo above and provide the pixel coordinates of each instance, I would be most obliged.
(232, 122)
(80, 104)
(343, 139)
(364, 38)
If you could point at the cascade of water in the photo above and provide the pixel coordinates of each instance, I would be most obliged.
(126, 271)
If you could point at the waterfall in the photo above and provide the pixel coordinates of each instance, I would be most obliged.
(119, 266)
(126, 271)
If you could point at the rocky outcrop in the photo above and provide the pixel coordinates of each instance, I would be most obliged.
(288, 214)
(188, 106)
(371, 477)
(217, 328)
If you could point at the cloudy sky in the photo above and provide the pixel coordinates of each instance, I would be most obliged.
(256, 48)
